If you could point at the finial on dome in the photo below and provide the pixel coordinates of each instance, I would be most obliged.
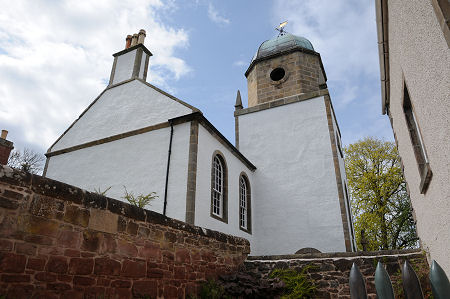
(280, 28)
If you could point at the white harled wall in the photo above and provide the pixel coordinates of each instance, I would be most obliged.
(420, 56)
(137, 162)
(124, 67)
(297, 202)
(207, 145)
(124, 108)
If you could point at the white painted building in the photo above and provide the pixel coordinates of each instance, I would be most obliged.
(282, 185)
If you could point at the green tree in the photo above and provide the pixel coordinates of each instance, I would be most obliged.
(380, 202)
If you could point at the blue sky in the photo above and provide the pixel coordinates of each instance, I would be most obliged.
(55, 57)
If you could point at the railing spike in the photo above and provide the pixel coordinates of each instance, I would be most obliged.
(411, 285)
(357, 285)
(439, 282)
(383, 283)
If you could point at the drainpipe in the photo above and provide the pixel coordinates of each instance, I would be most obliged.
(168, 166)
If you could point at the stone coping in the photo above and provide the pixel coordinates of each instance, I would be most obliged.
(329, 255)
(62, 191)
(282, 101)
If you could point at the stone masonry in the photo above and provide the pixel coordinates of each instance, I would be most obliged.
(303, 73)
(59, 241)
(331, 271)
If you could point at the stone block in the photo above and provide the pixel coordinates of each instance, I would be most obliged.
(12, 263)
(126, 248)
(121, 284)
(21, 291)
(134, 269)
(46, 207)
(182, 256)
(83, 280)
(15, 278)
(26, 248)
(72, 253)
(9, 204)
(45, 277)
(77, 216)
(41, 240)
(6, 245)
(103, 282)
(106, 266)
(91, 240)
(145, 288)
(132, 228)
(36, 264)
(38, 226)
(155, 273)
(58, 286)
(57, 264)
(55, 189)
(108, 244)
(65, 278)
(103, 220)
(81, 266)
(150, 251)
(68, 238)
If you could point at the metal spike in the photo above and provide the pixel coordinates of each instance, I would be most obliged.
(357, 285)
(383, 283)
(411, 284)
(439, 282)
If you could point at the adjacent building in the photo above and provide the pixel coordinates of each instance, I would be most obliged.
(414, 48)
(282, 185)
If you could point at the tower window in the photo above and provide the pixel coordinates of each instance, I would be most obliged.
(219, 188)
(277, 74)
(244, 204)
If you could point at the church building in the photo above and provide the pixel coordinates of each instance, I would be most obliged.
(282, 185)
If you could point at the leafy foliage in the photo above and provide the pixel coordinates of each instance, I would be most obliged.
(100, 192)
(27, 160)
(380, 202)
(211, 289)
(297, 284)
(140, 200)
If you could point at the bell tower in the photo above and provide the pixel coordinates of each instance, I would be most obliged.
(284, 66)
(290, 132)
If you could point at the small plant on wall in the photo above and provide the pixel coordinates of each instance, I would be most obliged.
(141, 200)
(100, 192)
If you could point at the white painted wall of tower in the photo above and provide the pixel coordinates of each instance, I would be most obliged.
(295, 183)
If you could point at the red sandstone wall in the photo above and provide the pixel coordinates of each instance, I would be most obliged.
(58, 241)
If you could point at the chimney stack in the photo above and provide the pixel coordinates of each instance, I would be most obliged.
(134, 40)
(128, 41)
(132, 62)
(141, 36)
(5, 148)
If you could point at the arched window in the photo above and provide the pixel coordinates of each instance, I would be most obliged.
(244, 203)
(219, 188)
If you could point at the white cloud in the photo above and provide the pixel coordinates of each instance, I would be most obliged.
(55, 58)
(343, 32)
(240, 63)
(214, 16)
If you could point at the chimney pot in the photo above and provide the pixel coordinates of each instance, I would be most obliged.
(4, 134)
(141, 36)
(134, 40)
(128, 41)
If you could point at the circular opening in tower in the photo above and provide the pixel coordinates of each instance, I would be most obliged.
(277, 74)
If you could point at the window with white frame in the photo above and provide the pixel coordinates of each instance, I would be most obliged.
(217, 188)
(243, 203)
(245, 217)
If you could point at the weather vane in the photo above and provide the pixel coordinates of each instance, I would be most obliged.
(280, 28)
